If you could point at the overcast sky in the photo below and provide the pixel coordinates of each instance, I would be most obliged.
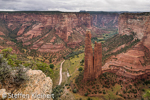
(75, 5)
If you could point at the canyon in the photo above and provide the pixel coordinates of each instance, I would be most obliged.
(53, 33)
(135, 62)
(57, 34)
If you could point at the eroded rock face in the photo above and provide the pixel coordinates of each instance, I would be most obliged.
(32, 28)
(88, 66)
(92, 66)
(136, 61)
(105, 20)
(38, 84)
(136, 23)
(97, 59)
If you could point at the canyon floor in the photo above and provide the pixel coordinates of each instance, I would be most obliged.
(108, 87)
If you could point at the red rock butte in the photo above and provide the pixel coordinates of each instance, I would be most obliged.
(93, 64)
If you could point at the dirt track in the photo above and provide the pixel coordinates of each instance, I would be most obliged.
(60, 80)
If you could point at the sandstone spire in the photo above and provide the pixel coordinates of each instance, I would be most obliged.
(97, 59)
(92, 66)
(88, 66)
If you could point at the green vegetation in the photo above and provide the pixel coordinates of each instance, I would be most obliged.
(57, 91)
(51, 66)
(72, 54)
(11, 58)
(117, 41)
(7, 73)
(74, 90)
(80, 69)
(147, 94)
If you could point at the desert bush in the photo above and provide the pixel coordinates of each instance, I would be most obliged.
(57, 91)
(104, 92)
(80, 69)
(74, 90)
(13, 75)
(51, 66)
(86, 94)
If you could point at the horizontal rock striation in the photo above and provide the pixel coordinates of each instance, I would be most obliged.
(135, 62)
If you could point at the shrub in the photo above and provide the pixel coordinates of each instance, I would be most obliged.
(124, 91)
(89, 98)
(100, 91)
(86, 94)
(7, 73)
(74, 90)
(51, 66)
(80, 69)
(120, 95)
(68, 87)
(93, 87)
(116, 93)
(89, 90)
(130, 86)
(104, 92)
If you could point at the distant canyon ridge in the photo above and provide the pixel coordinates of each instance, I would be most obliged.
(56, 33)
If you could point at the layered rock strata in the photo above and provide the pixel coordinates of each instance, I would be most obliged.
(135, 62)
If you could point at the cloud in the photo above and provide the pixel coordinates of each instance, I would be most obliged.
(76, 5)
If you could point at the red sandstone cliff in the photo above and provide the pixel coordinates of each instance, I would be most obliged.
(88, 66)
(138, 24)
(39, 26)
(93, 64)
(53, 32)
(97, 59)
(136, 61)
(105, 20)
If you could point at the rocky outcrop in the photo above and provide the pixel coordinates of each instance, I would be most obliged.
(88, 65)
(38, 87)
(92, 66)
(97, 59)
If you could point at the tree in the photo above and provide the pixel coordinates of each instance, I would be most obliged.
(147, 94)
(74, 90)
(50, 60)
(82, 61)
(51, 66)
(6, 52)
(80, 69)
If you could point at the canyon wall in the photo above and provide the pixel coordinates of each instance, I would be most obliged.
(137, 23)
(105, 20)
(43, 30)
(93, 64)
(135, 62)
(53, 33)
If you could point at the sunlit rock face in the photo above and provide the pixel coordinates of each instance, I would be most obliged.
(38, 84)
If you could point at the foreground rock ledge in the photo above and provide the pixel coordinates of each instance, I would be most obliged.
(38, 84)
